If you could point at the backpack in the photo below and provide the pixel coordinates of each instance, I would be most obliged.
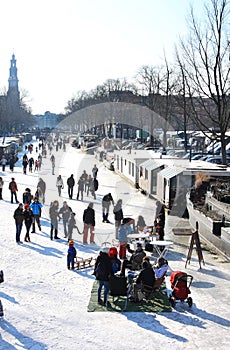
(100, 271)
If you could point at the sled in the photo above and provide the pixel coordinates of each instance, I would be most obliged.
(84, 263)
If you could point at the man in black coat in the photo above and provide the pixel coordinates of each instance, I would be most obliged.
(106, 201)
(19, 218)
(70, 184)
(145, 278)
(103, 270)
(89, 224)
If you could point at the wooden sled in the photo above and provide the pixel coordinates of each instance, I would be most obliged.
(81, 263)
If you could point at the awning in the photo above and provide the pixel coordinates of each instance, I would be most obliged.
(151, 164)
(170, 172)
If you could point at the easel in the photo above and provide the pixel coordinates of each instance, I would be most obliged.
(195, 240)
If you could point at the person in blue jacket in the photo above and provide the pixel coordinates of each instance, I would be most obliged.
(71, 255)
(36, 208)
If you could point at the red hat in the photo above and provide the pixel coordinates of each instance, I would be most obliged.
(26, 206)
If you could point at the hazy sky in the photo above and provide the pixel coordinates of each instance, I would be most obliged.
(62, 46)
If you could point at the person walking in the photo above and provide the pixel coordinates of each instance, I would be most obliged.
(13, 189)
(118, 216)
(3, 162)
(106, 202)
(36, 208)
(84, 176)
(81, 184)
(52, 159)
(65, 212)
(24, 164)
(42, 185)
(1, 187)
(19, 218)
(90, 186)
(31, 163)
(28, 219)
(27, 196)
(94, 171)
(59, 184)
(11, 163)
(54, 216)
(89, 224)
(70, 184)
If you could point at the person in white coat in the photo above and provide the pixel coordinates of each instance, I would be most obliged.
(59, 184)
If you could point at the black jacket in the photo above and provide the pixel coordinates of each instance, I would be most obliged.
(19, 215)
(89, 216)
(70, 181)
(118, 212)
(103, 267)
(146, 276)
(28, 215)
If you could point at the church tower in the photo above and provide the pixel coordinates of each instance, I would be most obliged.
(13, 92)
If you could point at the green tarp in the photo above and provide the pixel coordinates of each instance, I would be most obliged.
(159, 303)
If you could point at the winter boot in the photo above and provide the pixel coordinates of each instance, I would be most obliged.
(33, 228)
(55, 234)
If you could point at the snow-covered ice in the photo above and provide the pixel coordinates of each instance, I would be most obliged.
(45, 305)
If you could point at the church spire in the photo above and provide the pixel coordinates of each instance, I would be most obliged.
(13, 80)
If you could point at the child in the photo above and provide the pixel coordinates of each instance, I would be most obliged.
(71, 255)
(71, 225)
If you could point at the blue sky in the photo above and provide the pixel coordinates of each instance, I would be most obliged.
(63, 46)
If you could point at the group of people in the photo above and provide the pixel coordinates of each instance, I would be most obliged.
(141, 272)
(29, 214)
(68, 217)
(87, 183)
(31, 162)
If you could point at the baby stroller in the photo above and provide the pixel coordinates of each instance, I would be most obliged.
(180, 284)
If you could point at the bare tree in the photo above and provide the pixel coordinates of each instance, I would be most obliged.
(205, 58)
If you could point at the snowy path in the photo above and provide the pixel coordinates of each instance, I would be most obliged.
(45, 305)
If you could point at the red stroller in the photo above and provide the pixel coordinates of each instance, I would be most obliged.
(180, 284)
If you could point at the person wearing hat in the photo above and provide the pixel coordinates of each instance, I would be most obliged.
(134, 263)
(13, 189)
(71, 255)
(103, 270)
(28, 219)
(116, 263)
(27, 196)
(19, 218)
